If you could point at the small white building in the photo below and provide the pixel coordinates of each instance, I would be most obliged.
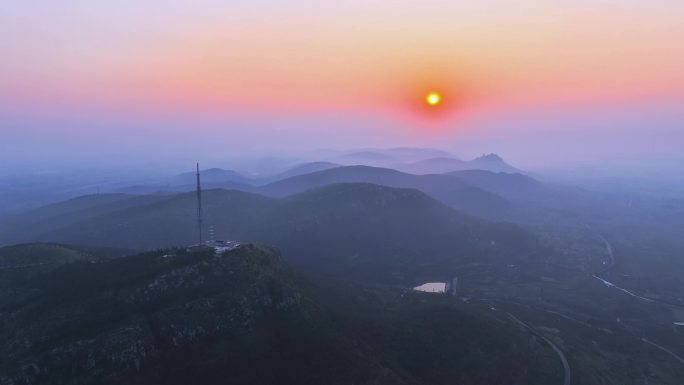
(221, 247)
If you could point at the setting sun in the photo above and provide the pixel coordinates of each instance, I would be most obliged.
(433, 98)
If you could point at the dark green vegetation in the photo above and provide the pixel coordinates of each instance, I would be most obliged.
(180, 317)
(20, 262)
(352, 230)
(545, 271)
(14, 229)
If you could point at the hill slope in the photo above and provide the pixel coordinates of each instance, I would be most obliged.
(301, 169)
(22, 228)
(370, 230)
(509, 185)
(446, 188)
(179, 317)
(349, 229)
(26, 260)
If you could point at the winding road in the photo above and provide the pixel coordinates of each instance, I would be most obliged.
(666, 350)
(561, 355)
(610, 284)
(611, 263)
(611, 256)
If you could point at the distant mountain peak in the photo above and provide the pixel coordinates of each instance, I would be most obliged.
(491, 157)
(492, 162)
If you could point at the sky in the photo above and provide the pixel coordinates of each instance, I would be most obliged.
(544, 83)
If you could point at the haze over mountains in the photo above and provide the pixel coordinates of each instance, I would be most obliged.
(400, 158)
(342, 192)
(547, 282)
(341, 228)
(482, 192)
(451, 189)
(20, 191)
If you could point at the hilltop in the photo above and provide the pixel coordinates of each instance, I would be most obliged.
(179, 317)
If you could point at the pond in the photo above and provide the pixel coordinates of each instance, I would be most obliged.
(431, 287)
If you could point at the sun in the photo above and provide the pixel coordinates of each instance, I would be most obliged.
(433, 98)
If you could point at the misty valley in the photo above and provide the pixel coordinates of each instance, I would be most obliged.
(386, 192)
(373, 266)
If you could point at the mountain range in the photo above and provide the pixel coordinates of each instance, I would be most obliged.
(477, 192)
(490, 162)
(354, 229)
(446, 188)
(585, 289)
(392, 158)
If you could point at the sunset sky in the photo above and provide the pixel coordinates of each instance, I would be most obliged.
(538, 81)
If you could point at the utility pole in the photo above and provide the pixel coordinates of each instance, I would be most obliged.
(199, 205)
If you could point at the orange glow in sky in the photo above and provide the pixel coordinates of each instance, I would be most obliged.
(298, 57)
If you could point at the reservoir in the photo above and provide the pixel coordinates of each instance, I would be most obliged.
(431, 287)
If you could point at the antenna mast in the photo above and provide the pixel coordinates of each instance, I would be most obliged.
(199, 205)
